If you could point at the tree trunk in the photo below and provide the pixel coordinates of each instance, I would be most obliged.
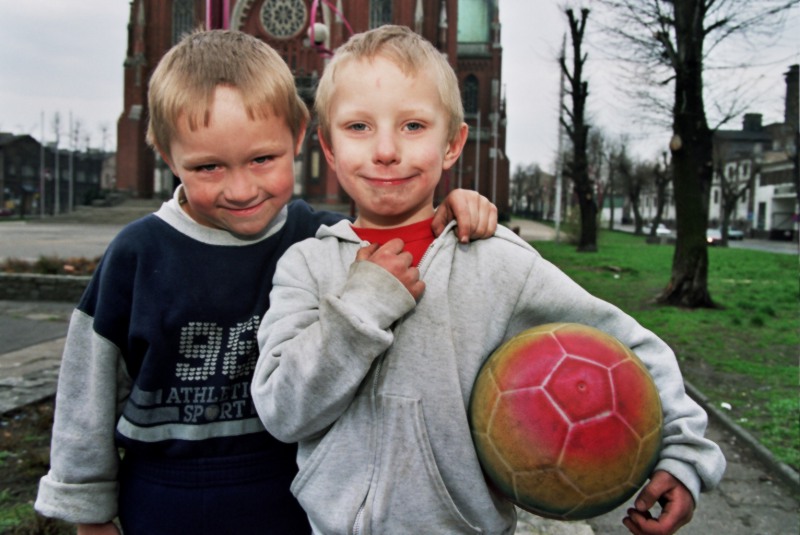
(692, 164)
(579, 131)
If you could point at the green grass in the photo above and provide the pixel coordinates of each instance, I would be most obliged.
(744, 353)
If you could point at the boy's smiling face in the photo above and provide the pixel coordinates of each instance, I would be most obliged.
(388, 141)
(237, 172)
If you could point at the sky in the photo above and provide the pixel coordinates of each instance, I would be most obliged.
(65, 57)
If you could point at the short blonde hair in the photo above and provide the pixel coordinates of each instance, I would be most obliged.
(410, 52)
(185, 79)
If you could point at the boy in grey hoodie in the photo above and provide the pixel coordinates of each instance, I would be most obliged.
(369, 364)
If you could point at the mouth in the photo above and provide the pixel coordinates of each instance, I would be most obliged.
(245, 211)
(388, 181)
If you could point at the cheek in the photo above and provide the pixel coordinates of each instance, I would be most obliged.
(199, 195)
(281, 184)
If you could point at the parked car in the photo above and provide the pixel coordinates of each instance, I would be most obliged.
(735, 234)
(662, 230)
(714, 235)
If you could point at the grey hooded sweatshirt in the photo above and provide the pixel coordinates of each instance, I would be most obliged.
(375, 387)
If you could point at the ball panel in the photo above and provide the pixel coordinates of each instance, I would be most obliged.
(600, 454)
(587, 341)
(601, 503)
(494, 467)
(581, 389)
(637, 397)
(519, 366)
(649, 446)
(483, 401)
(520, 422)
(560, 499)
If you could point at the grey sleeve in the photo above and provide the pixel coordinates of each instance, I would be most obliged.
(81, 485)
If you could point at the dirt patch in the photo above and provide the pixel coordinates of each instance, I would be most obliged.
(24, 459)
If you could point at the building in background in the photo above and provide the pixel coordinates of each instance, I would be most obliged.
(466, 31)
(68, 177)
(762, 162)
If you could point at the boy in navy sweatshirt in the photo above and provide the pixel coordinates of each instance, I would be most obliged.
(161, 348)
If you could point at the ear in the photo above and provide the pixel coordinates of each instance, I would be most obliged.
(326, 149)
(455, 146)
(301, 135)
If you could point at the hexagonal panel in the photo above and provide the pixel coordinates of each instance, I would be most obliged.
(527, 430)
(582, 389)
(600, 454)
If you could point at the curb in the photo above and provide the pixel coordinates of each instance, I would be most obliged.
(782, 470)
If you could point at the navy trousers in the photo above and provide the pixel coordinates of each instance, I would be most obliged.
(242, 496)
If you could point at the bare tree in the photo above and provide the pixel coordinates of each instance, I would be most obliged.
(614, 152)
(577, 130)
(661, 179)
(530, 192)
(635, 176)
(672, 39)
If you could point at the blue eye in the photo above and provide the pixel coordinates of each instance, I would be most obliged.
(206, 168)
(263, 159)
(414, 126)
(358, 127)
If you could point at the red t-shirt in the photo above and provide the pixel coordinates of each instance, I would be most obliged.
(416, 236)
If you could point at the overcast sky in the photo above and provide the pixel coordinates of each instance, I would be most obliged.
(65, 57)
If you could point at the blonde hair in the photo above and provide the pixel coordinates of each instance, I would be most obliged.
(185, 79)
(410, 52)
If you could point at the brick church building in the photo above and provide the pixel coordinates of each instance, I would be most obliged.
(466, 31)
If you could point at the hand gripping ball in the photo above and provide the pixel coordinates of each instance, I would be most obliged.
(566, 421)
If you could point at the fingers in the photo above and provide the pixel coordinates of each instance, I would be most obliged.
(391, 257)
(677, 507)
(486, 219)
(365, 252)
(475, 215)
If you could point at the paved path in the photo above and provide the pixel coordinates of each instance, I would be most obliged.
(751, 500)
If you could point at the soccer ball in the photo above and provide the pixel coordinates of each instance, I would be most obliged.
(566, 421)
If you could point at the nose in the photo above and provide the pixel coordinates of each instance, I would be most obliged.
(240, 188)
(387, 150)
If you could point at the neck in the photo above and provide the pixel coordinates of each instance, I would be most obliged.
(385, 222)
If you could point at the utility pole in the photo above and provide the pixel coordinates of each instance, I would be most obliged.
(57, 177)
(41, 172)
(559, 157)
(71, 184)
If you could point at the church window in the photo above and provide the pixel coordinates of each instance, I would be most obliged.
(380, 12)
(182, 18)
(469, 94)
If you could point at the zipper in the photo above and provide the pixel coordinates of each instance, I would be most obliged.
(358, 523)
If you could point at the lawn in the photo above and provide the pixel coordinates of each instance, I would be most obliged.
(742, 355)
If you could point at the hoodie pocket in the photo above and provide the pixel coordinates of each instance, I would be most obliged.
(409, 494)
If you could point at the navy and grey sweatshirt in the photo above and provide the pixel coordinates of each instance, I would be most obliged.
(160, 353)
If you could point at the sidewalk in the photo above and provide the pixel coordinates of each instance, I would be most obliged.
(752, 498)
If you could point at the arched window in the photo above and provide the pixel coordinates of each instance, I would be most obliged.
(469, 95)
(380, 12)
(182, 18)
